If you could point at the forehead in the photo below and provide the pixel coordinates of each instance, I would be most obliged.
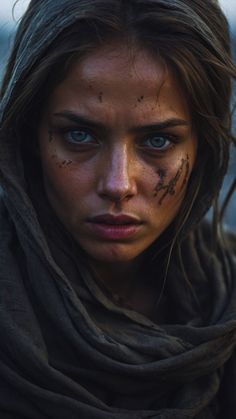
(117, 75)
(109, 61)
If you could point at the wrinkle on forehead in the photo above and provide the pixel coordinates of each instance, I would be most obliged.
(116, 87)
(104, 63)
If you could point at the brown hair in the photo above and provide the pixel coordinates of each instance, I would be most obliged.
(190, 35)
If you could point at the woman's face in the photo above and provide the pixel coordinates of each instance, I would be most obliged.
(117, 150)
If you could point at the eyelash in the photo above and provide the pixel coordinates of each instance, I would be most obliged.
(64, 133)
(171, 139)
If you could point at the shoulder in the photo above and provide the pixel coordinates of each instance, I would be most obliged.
(212, 255)
(203, 276)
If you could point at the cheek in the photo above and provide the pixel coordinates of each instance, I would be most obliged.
(172, 181)
(61, 182)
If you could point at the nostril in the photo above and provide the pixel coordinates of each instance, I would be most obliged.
(115, 196)
(117, 180)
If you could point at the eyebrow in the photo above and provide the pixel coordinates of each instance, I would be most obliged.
(85, 121)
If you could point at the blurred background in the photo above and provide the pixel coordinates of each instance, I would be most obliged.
(9, 18)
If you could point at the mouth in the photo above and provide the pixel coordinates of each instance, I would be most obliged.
(114, 227)
(115, 220)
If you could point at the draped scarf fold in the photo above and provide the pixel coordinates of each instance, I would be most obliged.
(67, 350)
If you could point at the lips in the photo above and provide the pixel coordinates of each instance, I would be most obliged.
(114, 219)
(114, 227)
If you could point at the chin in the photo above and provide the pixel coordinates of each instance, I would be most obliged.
(110, 253)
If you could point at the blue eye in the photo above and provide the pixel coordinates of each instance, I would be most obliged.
(78, 137)
(160, 142)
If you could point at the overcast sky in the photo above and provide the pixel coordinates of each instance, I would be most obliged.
(6, 10)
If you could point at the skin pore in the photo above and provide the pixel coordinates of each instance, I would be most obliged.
(110, 144)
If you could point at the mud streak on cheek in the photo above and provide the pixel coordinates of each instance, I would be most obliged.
(170, 187)
(100, 97)
(187, 168)
(61, 163)
(162, 174)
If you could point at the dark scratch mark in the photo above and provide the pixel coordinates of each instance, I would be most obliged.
(186, 172)
(161, 173)
(170, 188)
(66, 162)
(63, 163)
(100, 97)
(140, 98)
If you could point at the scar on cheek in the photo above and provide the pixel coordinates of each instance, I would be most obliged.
(170, 187)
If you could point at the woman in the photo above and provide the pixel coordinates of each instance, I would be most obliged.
(117, 299)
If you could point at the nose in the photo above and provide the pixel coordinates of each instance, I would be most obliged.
(117, 181)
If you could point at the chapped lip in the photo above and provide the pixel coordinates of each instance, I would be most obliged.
(110, 219)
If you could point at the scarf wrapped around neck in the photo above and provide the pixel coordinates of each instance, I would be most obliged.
(67, 350)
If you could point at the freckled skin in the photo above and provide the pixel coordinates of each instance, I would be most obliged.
(117, 176)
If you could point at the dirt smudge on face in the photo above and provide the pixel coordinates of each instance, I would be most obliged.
(64, 163)
(187, 169)
(170, 187)
(140, 99)
(100, 97)
(61, 163)
(161, 173)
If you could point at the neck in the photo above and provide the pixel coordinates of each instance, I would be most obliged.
(118, 278)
